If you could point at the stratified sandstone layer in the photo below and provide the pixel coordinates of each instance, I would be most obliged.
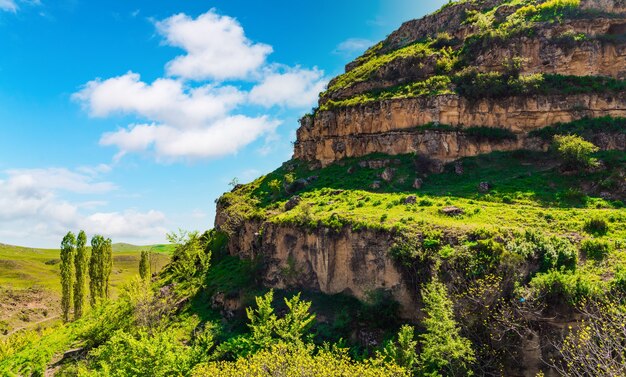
(393, 126)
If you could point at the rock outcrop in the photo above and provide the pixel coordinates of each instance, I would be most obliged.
(587, 42)
(393, 126)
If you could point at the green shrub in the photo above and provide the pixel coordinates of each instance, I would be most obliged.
(443, 350)
(597, 226)
(595, 249)
(484, 256)
(553, 252)
(575, 152)
(285, 359)
(557, 253)
(403, 351)
(573, 287)
(619, 281)
(160, 354)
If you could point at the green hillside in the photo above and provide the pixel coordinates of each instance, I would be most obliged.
(30, 281)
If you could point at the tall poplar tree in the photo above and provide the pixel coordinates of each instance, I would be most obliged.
(81, 274)
(144, 265)
(95, 269)
(67, 274)
(107, 266)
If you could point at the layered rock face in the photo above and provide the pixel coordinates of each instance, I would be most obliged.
(373, 107)
(393, 126)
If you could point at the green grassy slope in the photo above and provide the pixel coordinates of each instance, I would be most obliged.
(29, 281)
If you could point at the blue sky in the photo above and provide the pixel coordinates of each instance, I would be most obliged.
(128, 118)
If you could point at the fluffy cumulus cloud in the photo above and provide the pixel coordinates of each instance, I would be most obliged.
(32, 209)
(197, 110)
(220, 138)
(296, 88)
(164, 100)
(216, 47)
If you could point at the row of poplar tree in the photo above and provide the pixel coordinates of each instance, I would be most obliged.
(77, 264)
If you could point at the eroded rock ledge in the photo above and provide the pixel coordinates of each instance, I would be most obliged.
(392, 126)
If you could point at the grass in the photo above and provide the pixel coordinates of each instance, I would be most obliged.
(473, 85)
(29, 280)
(374, 62)
(29, 267)
(585, 127)
(528, 191)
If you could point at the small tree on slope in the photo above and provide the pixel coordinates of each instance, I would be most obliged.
(81, 261)
(67, 274)
(144, 265)
(444, 351)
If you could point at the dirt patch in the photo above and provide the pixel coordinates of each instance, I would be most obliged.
(6, 263)
(24, 308)
(125, 258)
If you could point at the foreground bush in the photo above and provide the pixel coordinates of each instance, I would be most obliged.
(595, 249)
(289, 360)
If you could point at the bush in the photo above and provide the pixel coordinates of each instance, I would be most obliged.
(595, 249)
(444, 350)
(485, 256)
(597, 226)
(553, 252)
(403, 352)
(160, 354)
(285, 359)
(573, 287)
(558, 253)
(575, 151)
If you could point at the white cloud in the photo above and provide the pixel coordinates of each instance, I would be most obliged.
(8, 5)
(220, 138)
(165, 100)
(187, 122)
(57, 179)
(32, 210)
(353, 46)
(178, 119)
(297, 87)
(126, 224)
(216, 47)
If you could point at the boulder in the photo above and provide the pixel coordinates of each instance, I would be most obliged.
(458, 167)
(296, 186)
(388, 174)
(292, 202)
(375, 185)
(451, 211)
(411, 199)
(417, 183)
(484, 187)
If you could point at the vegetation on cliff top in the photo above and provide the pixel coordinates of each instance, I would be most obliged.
(449, 66)
(473, 85)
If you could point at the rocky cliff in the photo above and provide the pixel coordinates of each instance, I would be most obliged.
(531, 66)
(473, 93)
